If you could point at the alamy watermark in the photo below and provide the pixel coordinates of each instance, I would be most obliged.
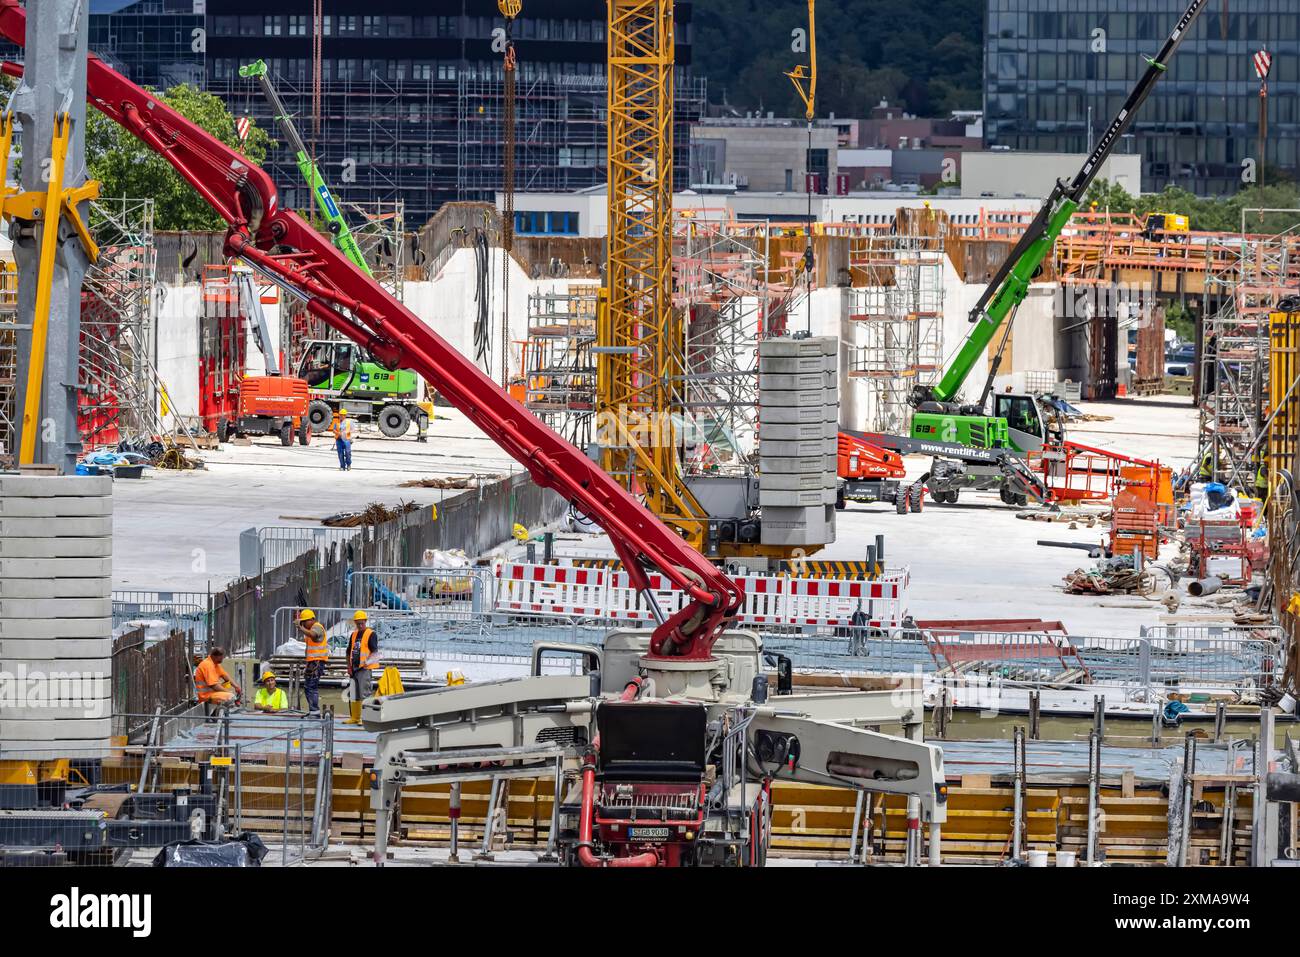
(84, 691)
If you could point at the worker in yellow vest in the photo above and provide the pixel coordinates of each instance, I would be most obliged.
(363, 660)
(269, 698)
(316, 654)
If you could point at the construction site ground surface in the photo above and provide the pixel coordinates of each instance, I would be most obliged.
(975, 559)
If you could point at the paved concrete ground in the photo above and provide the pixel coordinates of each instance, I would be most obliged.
(971, 560)
(180, 530)
(977, 560)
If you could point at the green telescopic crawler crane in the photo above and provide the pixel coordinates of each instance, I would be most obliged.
(964, 436)
(340, 374)
(334, 218)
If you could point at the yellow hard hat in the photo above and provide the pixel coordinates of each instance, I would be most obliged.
(306, 615)
(266, 674)
(360, 616)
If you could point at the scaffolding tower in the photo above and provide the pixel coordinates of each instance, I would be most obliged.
(899, 317)
(558, 379)
(121, 398)
(722, 286)
(1233, 374)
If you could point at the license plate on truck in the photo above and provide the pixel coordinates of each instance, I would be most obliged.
(648, 833)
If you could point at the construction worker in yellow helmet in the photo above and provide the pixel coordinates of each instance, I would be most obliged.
(316, 653)
(269, 698)
(363, 660)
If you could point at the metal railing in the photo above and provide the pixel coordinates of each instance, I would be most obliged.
(176, 610)
(1192, 657)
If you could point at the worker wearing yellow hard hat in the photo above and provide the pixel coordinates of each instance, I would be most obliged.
(363, 660)
(341, 429)
(316, 654)
(269, 698)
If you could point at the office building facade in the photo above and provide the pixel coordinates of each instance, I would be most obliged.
(1057, 71)
(410, 100)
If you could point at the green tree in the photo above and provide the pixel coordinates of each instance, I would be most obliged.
(125, 167)
(1218, 214)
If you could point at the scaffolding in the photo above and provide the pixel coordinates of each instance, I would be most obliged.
(721, 286)
(426, 142)
(558, 379)
(8, 364)
(121, 400)
(1255, 274)
(899, 317)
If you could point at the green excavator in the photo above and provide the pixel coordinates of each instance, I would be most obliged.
(340, 374)
(978, 445)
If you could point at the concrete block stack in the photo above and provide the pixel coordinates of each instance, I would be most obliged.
(798, 421)
(56, 546)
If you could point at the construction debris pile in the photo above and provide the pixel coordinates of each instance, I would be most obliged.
(375, 513)
(459, 482)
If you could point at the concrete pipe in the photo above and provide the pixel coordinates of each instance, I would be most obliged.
(1203, 586)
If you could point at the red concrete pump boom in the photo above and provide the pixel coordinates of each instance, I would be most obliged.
(278, 242)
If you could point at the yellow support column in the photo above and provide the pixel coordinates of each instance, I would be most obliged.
(51, 213)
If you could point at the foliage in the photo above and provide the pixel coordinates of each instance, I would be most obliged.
(127, 168)
(928, 55)
(1207, 214)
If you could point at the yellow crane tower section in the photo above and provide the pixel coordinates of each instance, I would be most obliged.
(639, 339)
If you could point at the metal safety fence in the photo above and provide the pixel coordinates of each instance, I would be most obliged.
(181, 779)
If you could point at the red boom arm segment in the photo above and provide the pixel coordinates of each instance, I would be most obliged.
(280, 243)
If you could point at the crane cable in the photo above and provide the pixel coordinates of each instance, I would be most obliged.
(508, 188)
(482, 326)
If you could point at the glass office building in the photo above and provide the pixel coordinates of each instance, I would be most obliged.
(410, 102)
(1057, 71)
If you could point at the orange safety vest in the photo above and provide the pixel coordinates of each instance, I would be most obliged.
(318, 644)
(368, 659)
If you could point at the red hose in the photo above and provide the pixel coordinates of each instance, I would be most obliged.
(585, 856)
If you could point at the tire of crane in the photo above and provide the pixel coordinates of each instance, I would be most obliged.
(304, 433)
(223, 430)
(286, 434)
(319, 415)
(394, 420)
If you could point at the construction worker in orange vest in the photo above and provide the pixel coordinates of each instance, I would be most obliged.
(211, 681)
(363, 660)
(341, 429)
(316, 654)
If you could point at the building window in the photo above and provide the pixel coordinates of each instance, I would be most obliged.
(347, 24)
(372, 26)
(539, 222)
(272, 26)
(298, 25)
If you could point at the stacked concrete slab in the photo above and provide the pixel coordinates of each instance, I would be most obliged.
(56, 541)
(798, 421)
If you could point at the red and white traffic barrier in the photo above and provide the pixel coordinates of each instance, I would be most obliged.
(770, 600)
(552, 590)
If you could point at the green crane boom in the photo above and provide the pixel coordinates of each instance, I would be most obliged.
(338, 225)
(1010, 285)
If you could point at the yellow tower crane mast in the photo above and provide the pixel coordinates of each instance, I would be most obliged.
(639, 343)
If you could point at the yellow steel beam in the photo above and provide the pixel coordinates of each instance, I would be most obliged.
(44, 281)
